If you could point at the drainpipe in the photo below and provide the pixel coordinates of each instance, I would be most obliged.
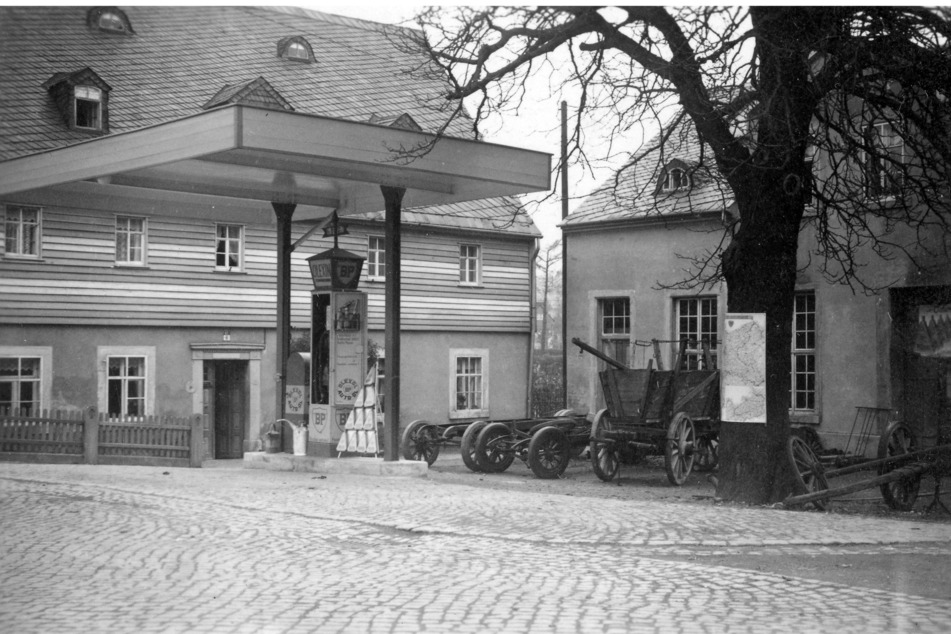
(532, 315)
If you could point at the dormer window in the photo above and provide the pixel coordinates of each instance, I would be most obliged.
(296, 49)
(82, 98)
(110, 20)
(675, 179)
(87, 107)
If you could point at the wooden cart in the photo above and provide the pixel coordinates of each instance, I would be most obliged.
(546, 453)
(545, 445)
(673, 413)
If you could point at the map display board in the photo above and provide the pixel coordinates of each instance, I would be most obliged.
(743, 369)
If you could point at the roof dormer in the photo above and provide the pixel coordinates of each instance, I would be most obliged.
(82, 98)
(109, 20)
(256, 92)
(296, 49)
(403, 121)
(674, 178)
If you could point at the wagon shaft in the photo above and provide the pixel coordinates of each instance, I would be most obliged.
(910, 471)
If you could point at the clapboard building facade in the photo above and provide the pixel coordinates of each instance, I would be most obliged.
(158, 302)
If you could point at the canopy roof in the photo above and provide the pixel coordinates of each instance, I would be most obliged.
(258, 154)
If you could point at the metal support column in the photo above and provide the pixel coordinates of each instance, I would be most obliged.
(283, 212)
(393, 198)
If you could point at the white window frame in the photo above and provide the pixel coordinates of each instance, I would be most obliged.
(104, 353)
(45, 355)
(376, 258)
(470, 275)
(228, 240)
(454, 356)
(694, 355)
(130, 234)
(683, 182)
(18, 225)
(92, 95)
(802, 350)
(616, 334)
(879, 190)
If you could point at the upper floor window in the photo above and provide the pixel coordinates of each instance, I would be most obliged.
(697, 322)
(295, 48)
(884, 174)
(803, 386)
(130, 240)
(675, 179)
(229, 249)
(376, 257)
(614, 319)
(22, 231)
(87, 107)
(470, 264)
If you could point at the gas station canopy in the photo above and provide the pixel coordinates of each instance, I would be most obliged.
(257, 154)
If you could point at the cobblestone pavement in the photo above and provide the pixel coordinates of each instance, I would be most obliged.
(145, 549)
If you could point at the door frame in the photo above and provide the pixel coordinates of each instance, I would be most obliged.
(250, 352)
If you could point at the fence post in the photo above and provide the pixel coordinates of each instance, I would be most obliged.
(91, 435)
(195, 443)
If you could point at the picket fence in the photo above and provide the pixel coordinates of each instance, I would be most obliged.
(94, 438)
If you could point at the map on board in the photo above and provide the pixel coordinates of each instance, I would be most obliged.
(743, 369)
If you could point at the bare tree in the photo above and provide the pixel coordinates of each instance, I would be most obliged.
(551, 255)
(765, 90)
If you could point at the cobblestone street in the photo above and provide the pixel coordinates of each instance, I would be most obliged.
(147, 549)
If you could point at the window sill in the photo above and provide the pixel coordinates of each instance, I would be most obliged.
(465, 285)
(810, 417)
(130, 265)
(230, 271)
(468, 413)
(375, 280)
(22, 258)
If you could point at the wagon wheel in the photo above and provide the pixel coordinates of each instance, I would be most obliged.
(548, 453)
(420, 441)
(468, 445)
(679, 450)
(708, 453)
(604, 458)
(898, 439)
(491, 451)
(807, 469)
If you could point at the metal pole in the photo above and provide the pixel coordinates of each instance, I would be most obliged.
(564, 255)
(393, 198)
(283, 212)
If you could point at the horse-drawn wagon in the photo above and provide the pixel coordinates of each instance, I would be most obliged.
(673, 413)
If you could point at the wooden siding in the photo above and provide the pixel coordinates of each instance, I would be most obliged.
(77, 282)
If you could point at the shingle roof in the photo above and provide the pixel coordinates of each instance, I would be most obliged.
(180, 57)
(632, 191)
(503, 214)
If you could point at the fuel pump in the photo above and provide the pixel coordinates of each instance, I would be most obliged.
(338, 344)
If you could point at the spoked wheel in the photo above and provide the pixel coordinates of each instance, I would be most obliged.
(548, 453)
(492, 452)
(898, 439)
(420, 441)
(679, 451)
(807, 469)
(468, 445)
(708, 453)
(604, 457)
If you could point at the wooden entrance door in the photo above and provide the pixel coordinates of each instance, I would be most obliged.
(231, 407)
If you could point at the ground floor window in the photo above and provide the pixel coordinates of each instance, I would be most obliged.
(803, 385)
(697, 322)
(469, 390)
(614, 328)
(20, 382)
(126, 380)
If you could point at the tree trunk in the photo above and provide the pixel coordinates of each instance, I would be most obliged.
(760, 270)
